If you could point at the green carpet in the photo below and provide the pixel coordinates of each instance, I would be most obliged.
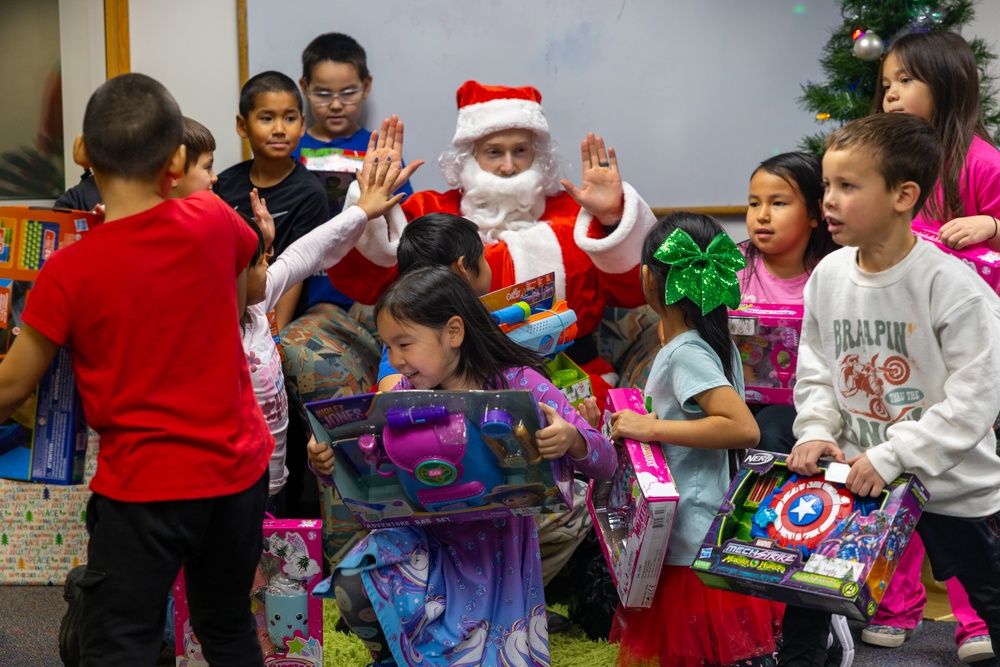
(569, 649)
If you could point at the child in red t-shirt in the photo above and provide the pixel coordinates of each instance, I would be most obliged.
(146, 303)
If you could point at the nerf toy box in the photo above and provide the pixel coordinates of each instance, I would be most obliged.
(335, 168)
(981, 259)
(419, 457)
(289, 618)
(46, 438)
(808, 541)
(767, 337)
(527, 314)
(634, 510)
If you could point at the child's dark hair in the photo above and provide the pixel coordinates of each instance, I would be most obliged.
(439, 239)
(904, 148)
(131, 127)
(946, 64)
(197, 140)
(432, 295)
(713, 326)
(335, 47)
(266, 82)
(804, 172)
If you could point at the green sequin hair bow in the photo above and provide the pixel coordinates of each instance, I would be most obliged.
(707, 277)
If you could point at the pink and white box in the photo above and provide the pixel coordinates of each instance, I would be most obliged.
(767, 337)
(634, 511)
(981, 259)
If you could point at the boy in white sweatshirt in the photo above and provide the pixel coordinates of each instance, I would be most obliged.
(899, 359)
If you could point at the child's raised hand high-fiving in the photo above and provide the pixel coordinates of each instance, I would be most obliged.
(377, 181)
(559, 437)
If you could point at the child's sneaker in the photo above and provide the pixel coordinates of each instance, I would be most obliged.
(885, 635)
(69, 627)
(976, 648)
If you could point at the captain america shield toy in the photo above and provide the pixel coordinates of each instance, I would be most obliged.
(800, 513)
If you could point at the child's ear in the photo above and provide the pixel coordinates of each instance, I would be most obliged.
(367, 87)
(178, 160)
(241, 127)
(304, 85)
(907, 195)
(455, 331)
(80, 152)
(458, 268)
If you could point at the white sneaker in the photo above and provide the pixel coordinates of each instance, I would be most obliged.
(975, 648)
(888, 636)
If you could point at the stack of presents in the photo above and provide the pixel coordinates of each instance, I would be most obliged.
(416, 458)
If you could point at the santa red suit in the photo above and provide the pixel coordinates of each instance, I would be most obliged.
(594, 266)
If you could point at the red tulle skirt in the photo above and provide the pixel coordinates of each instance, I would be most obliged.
(692, 625)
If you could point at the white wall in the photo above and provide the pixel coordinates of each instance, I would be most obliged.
(191, 47)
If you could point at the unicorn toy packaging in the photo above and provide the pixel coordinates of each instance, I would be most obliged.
(634, 510)
(809, 541)
(289, 619)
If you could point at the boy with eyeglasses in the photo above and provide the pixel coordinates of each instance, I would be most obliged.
(336, 81)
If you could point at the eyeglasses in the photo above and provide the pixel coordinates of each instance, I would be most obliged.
(322, 99)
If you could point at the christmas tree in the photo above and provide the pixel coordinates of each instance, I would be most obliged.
(851, 58)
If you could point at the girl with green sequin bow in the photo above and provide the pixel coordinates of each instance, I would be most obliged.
(695, 390)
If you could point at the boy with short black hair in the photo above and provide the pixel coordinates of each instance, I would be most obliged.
(182, 468)
(271, 120)
(199, 166)
(893, 311)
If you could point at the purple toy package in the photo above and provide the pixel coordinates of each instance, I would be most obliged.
(419, 457)
(808, 541)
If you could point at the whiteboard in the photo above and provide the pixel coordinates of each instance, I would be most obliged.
(692, 94)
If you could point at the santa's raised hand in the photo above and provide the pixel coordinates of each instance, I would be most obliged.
(387, 142)
(602, 194)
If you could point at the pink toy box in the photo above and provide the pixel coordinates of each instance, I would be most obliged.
(289, 618)
(46, 438)
(982, 260)
(420, 457)
(634, 511)
(767, 337)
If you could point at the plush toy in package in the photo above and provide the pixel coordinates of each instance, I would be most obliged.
(289, 618)
(634, 510)
(808, 541)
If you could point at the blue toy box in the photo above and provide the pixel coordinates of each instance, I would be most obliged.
(419, 457)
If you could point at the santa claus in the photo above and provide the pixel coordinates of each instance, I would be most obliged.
(506, 177)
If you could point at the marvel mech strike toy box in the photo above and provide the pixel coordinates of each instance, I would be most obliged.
(981, 259)
(46, 439)
(419, 457)
(809, 541)
(289, 618)
(767, 337)
(634, 510)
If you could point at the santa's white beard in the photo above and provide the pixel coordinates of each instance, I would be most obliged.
(498, 203)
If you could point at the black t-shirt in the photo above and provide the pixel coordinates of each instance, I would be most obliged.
(298, 204)
(83, 196)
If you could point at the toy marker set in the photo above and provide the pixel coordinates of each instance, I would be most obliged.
(420, 457)
(767, 337)
(981, 259)
(808, 541)
(46, 438)
(289, 618)
(336, 169)
(634, 510)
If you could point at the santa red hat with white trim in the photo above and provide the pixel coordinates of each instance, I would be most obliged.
(483, 110)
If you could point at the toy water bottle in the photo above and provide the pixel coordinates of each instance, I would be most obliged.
(286, 608)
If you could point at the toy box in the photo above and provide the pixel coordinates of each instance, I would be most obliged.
(572, 380)
(419, 457)
(808, 541)
(767, 336)
(634, 510)
(46, 439)
(981, 259)
(336, 169)
(525, 312)
(289, 618)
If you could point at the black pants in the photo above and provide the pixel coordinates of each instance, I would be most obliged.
(134, 555)
(775, 424)
(965, 548)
